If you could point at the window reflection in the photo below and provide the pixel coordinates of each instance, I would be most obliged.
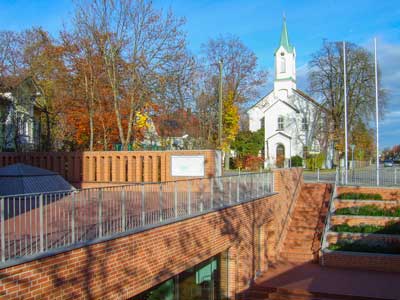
(206, 281)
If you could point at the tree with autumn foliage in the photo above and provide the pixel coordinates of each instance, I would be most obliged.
(241, 81)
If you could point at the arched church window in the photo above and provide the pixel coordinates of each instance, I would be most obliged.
(283, 63)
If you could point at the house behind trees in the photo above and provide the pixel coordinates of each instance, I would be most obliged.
(19, 118)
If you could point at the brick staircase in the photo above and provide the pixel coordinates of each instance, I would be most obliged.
(297, 275)
(302, 241)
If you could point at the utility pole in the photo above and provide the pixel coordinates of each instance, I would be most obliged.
(220, 105)
(376, 114)
(345, 114)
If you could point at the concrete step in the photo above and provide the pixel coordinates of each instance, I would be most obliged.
(298, 257)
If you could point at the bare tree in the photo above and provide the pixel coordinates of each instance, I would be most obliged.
(139, 46)
(241, 80)
(327, 84)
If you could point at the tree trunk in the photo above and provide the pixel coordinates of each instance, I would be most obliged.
(227, 158)
(91, 127)
(48, 132)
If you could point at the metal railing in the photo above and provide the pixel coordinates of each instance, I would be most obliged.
(319, 176)
(331, 210)
(389, 176)
(33, 224)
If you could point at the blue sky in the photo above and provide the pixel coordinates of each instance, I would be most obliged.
(258, 24)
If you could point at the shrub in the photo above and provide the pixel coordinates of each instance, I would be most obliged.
(360, 196)
(297, 161)
(391, 228)
(315, 161)
(368, 210)
(251, 162)
(364, 246)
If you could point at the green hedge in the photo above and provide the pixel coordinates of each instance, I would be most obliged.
(296, 161)
(368, 210)
(360, 196)
(391, 228)
(362, 246)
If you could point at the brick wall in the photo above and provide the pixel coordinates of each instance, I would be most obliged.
(99, 168)
(364, 261)
(124, 267)
(379, 203)
(358, 220)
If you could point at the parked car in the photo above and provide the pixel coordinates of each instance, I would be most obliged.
(388, 163)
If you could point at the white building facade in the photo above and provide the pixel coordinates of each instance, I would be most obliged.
(293, 122)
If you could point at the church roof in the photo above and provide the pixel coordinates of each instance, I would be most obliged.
(284, 42)
(312, 100)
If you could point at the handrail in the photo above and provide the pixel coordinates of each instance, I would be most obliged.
(331, 209)
(48, 223)
(290, 207)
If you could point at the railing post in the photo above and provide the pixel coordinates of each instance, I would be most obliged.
(142, 208)
(175, 200)
(395, 176)
(41, 227)
(201, 195)
(221, 191)
(3, 241)
(238, 188)
(160, 199)
(123, 209)
(211, 192)
(317, 174)
(100, 212)
(258, 185)
(230, 190)
(73, 218)
(189, 198)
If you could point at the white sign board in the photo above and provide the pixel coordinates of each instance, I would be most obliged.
(189, 166)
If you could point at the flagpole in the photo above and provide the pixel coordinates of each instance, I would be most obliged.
(376, 115)
(345, 112)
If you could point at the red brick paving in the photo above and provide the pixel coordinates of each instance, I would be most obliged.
(334, 281)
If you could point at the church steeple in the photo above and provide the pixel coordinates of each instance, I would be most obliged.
(285, 37)
(285, 65)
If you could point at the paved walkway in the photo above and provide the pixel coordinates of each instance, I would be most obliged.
(334, 281)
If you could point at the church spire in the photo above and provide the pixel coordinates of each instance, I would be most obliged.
(285, 37)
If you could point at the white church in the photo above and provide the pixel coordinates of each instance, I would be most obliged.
(293, 121)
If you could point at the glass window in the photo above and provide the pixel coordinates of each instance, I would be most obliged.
(281, 124)
(304, 124)
(206, 281)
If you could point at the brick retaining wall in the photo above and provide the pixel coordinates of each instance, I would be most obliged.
(379, 203)
(124, 267)
(364, 261)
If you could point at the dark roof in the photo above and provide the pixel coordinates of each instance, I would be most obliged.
(17, 170)
(24, 179)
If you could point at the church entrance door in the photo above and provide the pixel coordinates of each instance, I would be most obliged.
(280, 156)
